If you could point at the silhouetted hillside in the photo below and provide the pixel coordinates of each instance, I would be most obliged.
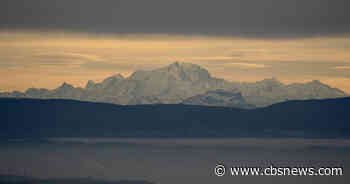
(68, 118)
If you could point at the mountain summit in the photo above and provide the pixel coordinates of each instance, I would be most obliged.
(170, 84)
(176, 71)
(187, 71)
(184, 83)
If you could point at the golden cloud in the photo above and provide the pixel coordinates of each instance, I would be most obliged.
(342, 67)
(249, 65)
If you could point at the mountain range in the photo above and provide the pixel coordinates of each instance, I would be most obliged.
(38, 118)
(184, 83)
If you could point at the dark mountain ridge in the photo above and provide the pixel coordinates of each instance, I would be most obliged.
(35, 118)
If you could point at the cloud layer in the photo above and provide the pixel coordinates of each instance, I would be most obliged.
(252, 18)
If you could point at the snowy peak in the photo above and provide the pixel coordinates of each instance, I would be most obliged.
(187, 71)
(65, 86)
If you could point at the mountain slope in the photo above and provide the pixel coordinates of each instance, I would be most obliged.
(270, 91)
(219, 97)
(67, 118)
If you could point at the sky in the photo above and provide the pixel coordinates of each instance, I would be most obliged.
(44, 43)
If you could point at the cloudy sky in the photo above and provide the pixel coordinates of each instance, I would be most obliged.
(46, 42)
